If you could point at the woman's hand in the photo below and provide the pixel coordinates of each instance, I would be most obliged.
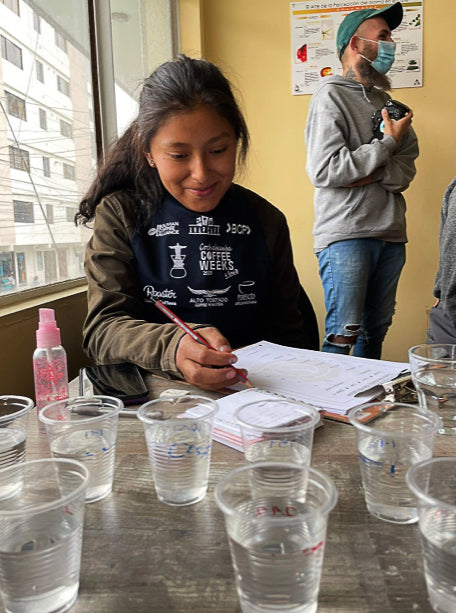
(207, 368)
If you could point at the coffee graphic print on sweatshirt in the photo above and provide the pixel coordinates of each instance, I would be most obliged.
(208, 268)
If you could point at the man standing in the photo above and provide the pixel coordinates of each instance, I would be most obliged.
(359, 230)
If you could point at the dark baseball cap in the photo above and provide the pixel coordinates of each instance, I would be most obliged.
(391, 14)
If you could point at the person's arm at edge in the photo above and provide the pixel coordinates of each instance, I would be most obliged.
(115, 329)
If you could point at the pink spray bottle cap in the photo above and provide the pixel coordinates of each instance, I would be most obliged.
(47, 335)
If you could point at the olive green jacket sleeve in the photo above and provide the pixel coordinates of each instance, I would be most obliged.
(116, 328)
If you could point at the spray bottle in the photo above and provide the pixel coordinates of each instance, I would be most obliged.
(49, 362)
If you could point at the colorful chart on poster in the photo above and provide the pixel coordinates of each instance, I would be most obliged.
(314, 25)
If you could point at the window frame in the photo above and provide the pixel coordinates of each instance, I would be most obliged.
(39, 71)
(11, 101)
(9, 51)
(15, 154)
(23, 208)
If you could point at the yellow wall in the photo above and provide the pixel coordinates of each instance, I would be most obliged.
(250, 41)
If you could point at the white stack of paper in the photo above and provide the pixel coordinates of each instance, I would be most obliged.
(328, 381)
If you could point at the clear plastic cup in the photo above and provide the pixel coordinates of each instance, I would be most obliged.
(433, 369)
(277, 430)
(85, 428)
(179, 446)
(276, 516)
(41, 535)
(14, 412)
(399, 436)
(433, 482)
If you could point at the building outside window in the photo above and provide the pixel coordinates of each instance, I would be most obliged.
(15, 106)
(48, 174)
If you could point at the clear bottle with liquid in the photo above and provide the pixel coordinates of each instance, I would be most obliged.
(49, 362)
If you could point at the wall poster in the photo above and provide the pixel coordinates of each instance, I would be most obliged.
(314, 26)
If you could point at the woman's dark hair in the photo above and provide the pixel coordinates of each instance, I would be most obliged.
(174, 87)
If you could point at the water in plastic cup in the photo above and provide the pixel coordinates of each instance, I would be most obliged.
(433, 369)
(277, 430)
(41, 536)
(276, 516)
(85, 429)
(399, 436)
(14, 412)
(179, 446)
(433, 482)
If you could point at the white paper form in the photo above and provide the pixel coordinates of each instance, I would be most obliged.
(226, 429)
(325, 380)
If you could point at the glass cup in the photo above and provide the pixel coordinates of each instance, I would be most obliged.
(85, 429)
(398, 436)
(433, 369)
(433, 482)
(276, 516)
(14, 412)
(277, 430)
(41, 535)
(179, 445)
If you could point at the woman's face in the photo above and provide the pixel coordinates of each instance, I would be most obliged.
(195, 155)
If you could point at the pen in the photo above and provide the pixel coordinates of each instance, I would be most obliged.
(194, 335)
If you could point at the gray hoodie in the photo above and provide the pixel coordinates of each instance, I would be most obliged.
(445, 282)
(342, 149)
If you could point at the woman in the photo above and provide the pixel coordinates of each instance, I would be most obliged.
(170, 224)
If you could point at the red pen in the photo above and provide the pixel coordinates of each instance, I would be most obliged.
(194, 335)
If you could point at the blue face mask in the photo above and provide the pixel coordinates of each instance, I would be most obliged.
(385, 56)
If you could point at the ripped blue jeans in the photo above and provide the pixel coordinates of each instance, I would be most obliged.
(360, 278)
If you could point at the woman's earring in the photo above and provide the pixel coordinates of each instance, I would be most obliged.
(151, 161)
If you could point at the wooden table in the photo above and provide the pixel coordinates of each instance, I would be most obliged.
(142, 556)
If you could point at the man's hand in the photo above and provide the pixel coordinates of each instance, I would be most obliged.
(398, 128)
(207, 368)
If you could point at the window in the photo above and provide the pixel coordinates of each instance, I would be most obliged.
(13, 5)
(63, 86)
(46, 167)
(70, 213)
(11, 52)
(15, 106)
(43, 119)
(39, 71)
(50, 213)
(23, 211)
(66, 129)
(51, 43)
(60, 41)
(19, 158)
(36, 22)
(68, 171)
